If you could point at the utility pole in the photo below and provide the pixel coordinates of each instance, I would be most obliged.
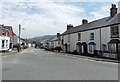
(19, 33)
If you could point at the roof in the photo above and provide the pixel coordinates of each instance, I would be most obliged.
(104, 22)
(91, 43)
(54, 39)
(114, 41)
(6, 28)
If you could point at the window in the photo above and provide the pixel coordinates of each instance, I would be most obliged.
(62, 41)
(104, 47)
(79, 36)
(3, 43)
(92, 36)
(92, 46)
(90, 49)
(3, 33)
(79, 47)
(6, 43)
(68, 37)
(112, 47)
(118, 47)
(114, 31)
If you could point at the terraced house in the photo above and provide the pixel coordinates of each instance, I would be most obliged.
(100, 37)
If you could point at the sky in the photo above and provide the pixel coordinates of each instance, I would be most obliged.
(49, 17)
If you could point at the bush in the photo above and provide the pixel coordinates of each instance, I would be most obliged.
(24, 47)
(16, 45)
(52, 49)
(58, 48)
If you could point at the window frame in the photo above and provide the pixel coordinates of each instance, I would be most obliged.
(92, 36)
(79, 36)
(3, 44)
(113, 31)
(68, 37)
(112, 47)
(3, 34)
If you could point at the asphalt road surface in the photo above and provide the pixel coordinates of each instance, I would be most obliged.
(36, 64)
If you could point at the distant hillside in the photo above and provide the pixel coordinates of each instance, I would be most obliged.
(41, 38)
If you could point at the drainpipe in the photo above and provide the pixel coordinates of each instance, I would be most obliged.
(100, 42)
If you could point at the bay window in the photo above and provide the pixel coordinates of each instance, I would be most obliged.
(114, 46)
(79, 47)
(92, 47)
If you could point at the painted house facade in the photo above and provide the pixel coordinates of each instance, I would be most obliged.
(55, 42)
(4, 39)
(16, 39)
(23, 42)
(100, 37)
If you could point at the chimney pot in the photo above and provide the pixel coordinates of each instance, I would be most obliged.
(113, 10)
(69, 26)
(113, 6)
(84, 21)
(58, 35)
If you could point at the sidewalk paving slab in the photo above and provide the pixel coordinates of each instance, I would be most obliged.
(88, 57)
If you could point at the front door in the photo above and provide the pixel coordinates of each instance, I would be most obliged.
(84, 49)
(66, 48)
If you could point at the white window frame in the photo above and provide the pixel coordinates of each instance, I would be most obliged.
(92, 36)
(79, 36)
(68, 37)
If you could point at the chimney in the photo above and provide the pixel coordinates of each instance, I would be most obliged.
(69, 26)
(113, 10)
(84, 21)
(58, 35)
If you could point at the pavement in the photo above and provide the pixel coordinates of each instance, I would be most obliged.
(36, 64)
(11, 53)
(88, 57)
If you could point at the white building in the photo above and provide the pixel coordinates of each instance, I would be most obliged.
(55, 42)
(23, 42)
(100, 37)
(15, 39)
(4, 43)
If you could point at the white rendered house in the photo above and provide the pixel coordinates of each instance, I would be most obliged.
(100, 37)
(4, 43)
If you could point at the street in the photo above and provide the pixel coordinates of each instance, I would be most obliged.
(36, 64)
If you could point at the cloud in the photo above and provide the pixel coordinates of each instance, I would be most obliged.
(101, 12)
(49, 18)
(60, 0)
(41, 18)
